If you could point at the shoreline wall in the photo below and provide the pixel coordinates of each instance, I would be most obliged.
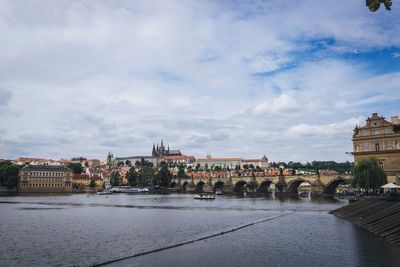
(378, 216)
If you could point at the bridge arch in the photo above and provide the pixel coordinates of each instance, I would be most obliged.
(264, 186)
(330, 188)
(219, 185)
(240, 187)
(293, 185)
(199, 187)
(173, 184)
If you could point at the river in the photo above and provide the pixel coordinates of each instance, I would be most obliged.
(76, 230)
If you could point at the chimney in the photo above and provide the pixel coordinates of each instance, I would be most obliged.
(395, 119)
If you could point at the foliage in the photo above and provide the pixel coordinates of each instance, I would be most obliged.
(115, 179)
(181, 171)
(163, 177)
(368, 174)
(77, 168)
(374, 5)
(245, 166)
(9, 174)
(132, 176)
(341, 167)
(217, 168)
(198, 166)
(145, 176)
(92, 183)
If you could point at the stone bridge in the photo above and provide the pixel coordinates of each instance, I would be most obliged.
(324, 184)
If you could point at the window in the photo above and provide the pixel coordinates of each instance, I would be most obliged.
(389, 145)
(377, 147)
(365, 147)
(388, 130)
(375, 132)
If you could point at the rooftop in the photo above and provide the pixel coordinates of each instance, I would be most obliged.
(46, 168)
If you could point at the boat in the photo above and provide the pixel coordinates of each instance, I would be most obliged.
(218, 191)
(204, 196)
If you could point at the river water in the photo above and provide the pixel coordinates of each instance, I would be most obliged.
(76, 230)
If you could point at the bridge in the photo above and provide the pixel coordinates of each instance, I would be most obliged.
(239, 183)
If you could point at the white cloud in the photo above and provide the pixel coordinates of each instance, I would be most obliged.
(86, 77)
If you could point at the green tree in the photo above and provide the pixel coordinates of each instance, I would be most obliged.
(146, 176)
(368, 174)
(92, 183)
(132, 177)
(374, 5)
(164, 176)
(198, 166)
(77, 168)
(245, 166)
(217, 168)
(115, 181)
(181, 171)
(9, 174)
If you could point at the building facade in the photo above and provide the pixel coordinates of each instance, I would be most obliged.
(81, 182)
(45, 179)
(379, 138)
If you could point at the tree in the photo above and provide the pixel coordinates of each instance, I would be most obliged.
(9, 174)
(132, 177)
(251, 166)
(92, 183)
(198, 166)
(368, 174)
(128, 163)
(146, 176)
(217, 168)
(76, 168)
(181, 172)
(115, 181)
(258, 169)
(245, 166)
(374, 5)
(164, 176)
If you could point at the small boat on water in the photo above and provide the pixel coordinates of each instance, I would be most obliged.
(204, 196)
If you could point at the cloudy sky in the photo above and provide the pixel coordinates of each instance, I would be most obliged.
(289, 79)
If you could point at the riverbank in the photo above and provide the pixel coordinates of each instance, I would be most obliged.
(379, 216)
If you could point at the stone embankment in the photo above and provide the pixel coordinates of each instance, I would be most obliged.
(379, 216)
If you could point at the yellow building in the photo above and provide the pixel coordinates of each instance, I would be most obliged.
(380, 139)
(45, 179)
(81, 182)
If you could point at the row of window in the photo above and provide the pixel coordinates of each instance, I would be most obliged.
(387, 130)
(47, 179)
(45, 173)
(387, 145)
(42, 185)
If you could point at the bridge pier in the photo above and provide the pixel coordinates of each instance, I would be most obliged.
(317, 188)
(281, 186)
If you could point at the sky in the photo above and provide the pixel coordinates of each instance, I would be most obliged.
(285, 79)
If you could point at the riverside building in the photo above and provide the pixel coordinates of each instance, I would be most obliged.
(379, 138)
(45, 179)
